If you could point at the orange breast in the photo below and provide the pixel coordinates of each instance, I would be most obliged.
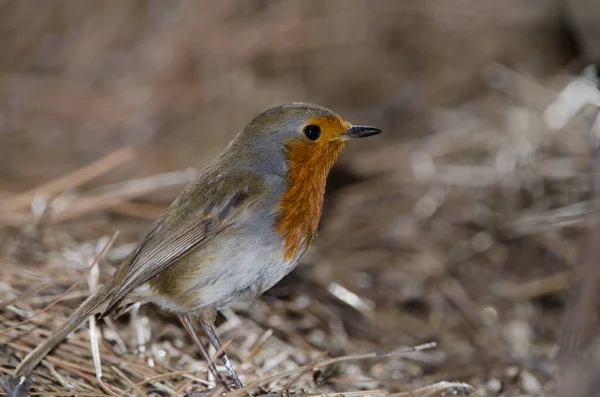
(300, 207)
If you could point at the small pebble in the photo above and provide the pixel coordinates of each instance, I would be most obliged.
(530, 383)
(493, 385)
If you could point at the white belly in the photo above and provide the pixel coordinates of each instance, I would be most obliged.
(227, 271)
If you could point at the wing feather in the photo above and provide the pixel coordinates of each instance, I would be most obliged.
(173, 237)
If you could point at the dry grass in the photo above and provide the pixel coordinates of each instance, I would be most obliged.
(470, 244)
(466, 224)
(135, 361)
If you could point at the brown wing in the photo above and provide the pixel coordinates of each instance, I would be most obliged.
(173, 237)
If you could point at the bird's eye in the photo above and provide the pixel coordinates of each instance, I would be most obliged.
(312, 132)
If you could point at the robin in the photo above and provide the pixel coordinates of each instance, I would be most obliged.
(233, 233)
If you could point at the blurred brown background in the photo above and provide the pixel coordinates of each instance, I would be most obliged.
(82, 78)
(447, 227)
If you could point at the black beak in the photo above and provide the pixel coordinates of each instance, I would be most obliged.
(361, 131)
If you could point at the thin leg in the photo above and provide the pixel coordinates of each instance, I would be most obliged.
(189, 327)
(214, 340)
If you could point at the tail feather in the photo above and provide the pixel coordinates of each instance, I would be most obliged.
(94, 304)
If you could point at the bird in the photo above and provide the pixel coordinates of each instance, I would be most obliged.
(230, 235)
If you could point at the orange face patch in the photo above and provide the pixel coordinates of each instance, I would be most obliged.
(309, 163)
(332, 128)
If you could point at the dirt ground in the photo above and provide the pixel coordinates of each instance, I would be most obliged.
(469, 223)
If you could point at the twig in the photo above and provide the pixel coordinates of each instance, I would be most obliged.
(24, 296)
(139, 210)
(438, 389)
(307, 368)
(352, 357)
(362, 393)
(79, 279)
(94, 335)
(542, 286)
(177, 373)
(114, 198)
(128, 381)
(82, 175)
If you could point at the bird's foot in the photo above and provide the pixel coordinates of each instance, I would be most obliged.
(16, 387)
